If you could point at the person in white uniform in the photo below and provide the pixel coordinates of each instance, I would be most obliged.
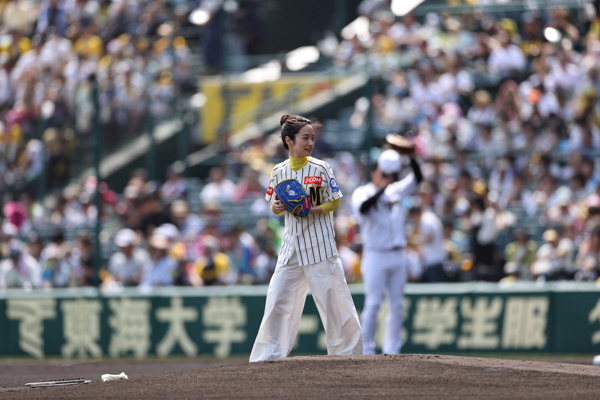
(308, 257)
(380, 216)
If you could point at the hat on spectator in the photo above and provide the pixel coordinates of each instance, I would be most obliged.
(53, 251)
(482, 97)
(211, 206)
(479, 187)
(550, 235)
(15, 247)
(9, 229)
(168, 231)
(389, 162)
(180, 208)
(211, 243)
(159, 242)
(125, 237)
(131, 192)
(563, 196)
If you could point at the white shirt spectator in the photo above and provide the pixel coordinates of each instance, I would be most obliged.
(548, 104)
(452, 85)
(56, 51)
(128, 270)
(21, 272)
(220, 191)
(505, 60)
(425, 93)
(566, 75)
(430, 227)
(576, 135)
(479, 115)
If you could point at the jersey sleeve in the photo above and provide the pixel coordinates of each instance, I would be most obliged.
(331, 190)
(402, 188)
(272, 184)
(359, 196)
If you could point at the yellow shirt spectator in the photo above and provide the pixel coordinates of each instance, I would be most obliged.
(90, 46)
(213, 269)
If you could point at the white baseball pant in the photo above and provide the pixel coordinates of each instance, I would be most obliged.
(383, 272)
(285, 302)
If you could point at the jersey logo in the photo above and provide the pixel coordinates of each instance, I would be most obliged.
(334, 186)
(315, 195)
(306, 203)
(270, 191)
(313, 180)
(291, 193)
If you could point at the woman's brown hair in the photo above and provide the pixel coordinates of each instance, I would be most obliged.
(291, 124)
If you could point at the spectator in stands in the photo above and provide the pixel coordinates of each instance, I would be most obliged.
(153, 212)
(249, 186)
(219, 188)
(174, 188)
(507, 59)
(482, 111)
(162, 268)
(82, 260)
(35, 246)
(19, 269)
(483, 235)
(550, 258)
(456, 246)
(56, 271)
(241, 249)
(587, 261)
(519, 256)
(349, 258)
(126, 266)
(431, 236)
(188, 223)
(214, 267)
(211, 219)
(265, 234)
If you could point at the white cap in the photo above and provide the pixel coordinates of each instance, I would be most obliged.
(389, 162)
(168, 231)
(10, 229)
(125, 237)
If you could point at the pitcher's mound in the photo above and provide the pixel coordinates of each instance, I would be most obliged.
(352, 377)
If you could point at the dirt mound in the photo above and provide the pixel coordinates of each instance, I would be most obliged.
(331, 377)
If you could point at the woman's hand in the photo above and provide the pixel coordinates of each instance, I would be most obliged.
(277, 207)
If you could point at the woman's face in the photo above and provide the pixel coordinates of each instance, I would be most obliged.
(304, 143)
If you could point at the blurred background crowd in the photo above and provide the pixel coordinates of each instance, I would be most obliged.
(50, 53)
(502, 107)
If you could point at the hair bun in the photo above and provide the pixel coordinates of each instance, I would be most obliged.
(283, 119)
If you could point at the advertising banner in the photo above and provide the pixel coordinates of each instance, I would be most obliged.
(224, 321)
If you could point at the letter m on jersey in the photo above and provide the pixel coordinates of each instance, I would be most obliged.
(315, 195)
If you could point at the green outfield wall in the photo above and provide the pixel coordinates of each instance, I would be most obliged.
(222, 321)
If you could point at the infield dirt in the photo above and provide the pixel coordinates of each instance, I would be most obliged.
(408, 376)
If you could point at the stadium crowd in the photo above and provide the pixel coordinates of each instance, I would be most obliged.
(50, 53)
(503, 110)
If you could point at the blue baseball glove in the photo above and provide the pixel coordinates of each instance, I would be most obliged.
(293, 197)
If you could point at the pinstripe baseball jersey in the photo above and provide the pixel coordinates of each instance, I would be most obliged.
(312, 237)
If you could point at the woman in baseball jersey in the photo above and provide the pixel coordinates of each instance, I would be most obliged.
(308, 256)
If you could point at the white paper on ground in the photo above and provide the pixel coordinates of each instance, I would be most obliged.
(109, 377)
